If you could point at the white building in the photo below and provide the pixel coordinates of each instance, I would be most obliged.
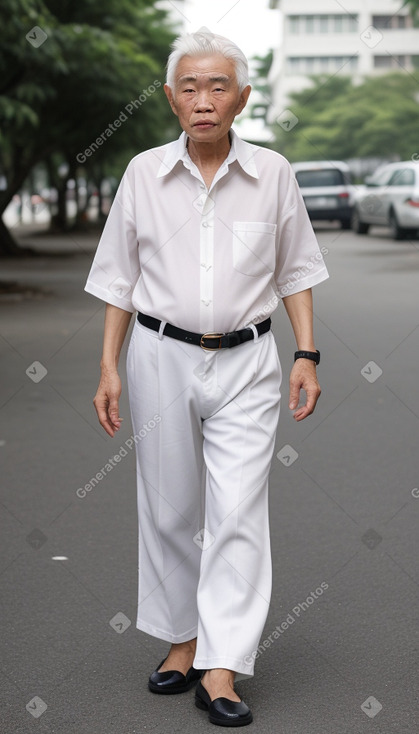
(355, 37)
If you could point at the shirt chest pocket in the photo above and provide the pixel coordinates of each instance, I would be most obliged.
(254, 248)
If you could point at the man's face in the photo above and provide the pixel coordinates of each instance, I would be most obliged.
(206, 96)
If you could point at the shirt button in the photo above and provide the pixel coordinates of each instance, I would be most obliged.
(206, 224)
(199, 202)
(206, 303)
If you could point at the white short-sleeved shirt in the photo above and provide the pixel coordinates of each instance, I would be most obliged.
(206, 259)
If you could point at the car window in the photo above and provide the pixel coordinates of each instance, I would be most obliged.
(320, 177)
(402, 177)
(381, 178)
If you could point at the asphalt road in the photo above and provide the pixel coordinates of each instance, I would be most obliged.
(344, 515)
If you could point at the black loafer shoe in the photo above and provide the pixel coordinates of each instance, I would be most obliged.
(173, 681)
(222, 711)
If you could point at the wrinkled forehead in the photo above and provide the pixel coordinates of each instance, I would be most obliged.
(202, 69)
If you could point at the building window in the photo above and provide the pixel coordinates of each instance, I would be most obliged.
(321, 64)
(309, 23)
(382, 62)
(338, 23)
(389, 22)
(324, 23)
(294, 23)
(392, 62)
(293, 64)
(381, 21)
(353, 23)
(343, 23)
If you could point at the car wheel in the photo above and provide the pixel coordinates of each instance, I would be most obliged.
(345, 224)
(357, 224)
(397, 232)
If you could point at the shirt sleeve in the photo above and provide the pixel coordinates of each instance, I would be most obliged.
(299, 263)
(116, 268)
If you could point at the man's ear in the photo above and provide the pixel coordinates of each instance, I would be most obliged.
(244, 96)
(169, 94)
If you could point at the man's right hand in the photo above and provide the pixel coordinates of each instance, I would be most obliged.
(106, 401)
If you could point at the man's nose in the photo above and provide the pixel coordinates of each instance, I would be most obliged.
(203, 102)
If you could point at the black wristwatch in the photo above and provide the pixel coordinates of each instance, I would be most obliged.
(314, 356)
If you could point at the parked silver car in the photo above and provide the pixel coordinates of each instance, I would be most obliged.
(390, 198)
(327, 190)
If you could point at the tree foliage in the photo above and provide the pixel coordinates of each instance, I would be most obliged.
(338, 119)
(413, 6)
(259, 109)
(56, 98)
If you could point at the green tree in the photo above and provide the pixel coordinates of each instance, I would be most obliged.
(259, 109)
(337, 119)
(413, 6)
(61, 87)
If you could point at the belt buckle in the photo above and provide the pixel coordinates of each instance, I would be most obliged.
(211, 335)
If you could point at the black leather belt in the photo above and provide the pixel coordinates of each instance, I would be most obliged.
(209, 341)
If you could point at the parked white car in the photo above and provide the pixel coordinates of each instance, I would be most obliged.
(390, 198)
(327, 190)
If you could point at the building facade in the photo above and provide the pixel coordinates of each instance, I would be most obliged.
(355, 37)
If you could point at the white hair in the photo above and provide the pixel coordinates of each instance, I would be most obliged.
(205, 43)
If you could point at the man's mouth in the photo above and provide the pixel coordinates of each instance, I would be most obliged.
(204, 124)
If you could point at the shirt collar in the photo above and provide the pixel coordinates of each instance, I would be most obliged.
(240, 150)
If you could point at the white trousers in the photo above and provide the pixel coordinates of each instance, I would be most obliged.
(205, 425)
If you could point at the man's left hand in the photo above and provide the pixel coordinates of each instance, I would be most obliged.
(303, 377)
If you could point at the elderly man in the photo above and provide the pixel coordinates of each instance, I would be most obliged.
(205, 236)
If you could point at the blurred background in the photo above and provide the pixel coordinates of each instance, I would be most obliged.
(348, 72)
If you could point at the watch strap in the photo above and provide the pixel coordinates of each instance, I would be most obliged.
(302, 354)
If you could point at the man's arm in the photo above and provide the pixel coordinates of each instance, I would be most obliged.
(106, 400)
(299, 307)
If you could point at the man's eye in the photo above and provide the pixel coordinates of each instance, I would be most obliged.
(188, 90)
(219, 89)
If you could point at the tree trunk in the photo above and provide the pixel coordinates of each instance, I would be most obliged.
(59, 215)
(59, 221)
(18, 175)
(8, 245)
